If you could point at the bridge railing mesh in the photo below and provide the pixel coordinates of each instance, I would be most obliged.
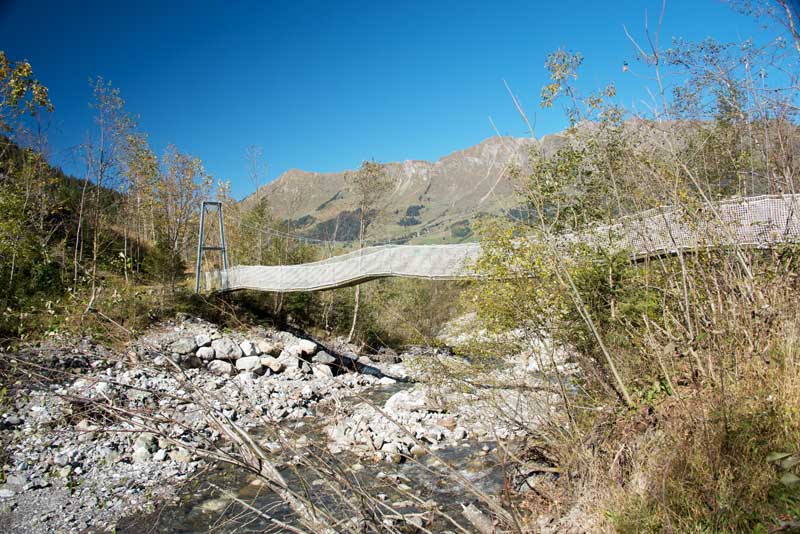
(763, 221)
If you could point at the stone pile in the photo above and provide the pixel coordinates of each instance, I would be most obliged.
(413, 422)
(201, 345)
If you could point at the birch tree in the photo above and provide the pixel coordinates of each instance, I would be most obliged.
(102, 153)
(368, 185)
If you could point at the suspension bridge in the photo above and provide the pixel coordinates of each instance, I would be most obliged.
(761, 222)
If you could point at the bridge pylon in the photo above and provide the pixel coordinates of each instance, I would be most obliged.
(202, 247)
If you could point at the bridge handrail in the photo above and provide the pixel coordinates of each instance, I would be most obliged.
(760, 221)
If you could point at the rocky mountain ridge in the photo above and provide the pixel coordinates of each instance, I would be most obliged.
(430, 202)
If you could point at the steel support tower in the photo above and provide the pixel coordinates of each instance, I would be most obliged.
(202, 247)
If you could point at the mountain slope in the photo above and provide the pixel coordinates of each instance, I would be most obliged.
(429, 201)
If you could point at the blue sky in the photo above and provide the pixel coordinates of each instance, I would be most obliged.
(324, 85)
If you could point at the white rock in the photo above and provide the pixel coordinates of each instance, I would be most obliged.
(202, 340)
(321, 370)
(184, 345)
(206, 353)
(220, 368)
(409, 400)
(249, 363)
(140, 455)
(302, 347)
(247, 348)
(270, 348)
(323, 357)
(226, 349)
(273, 364)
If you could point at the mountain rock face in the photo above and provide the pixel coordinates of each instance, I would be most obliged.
(429, 202)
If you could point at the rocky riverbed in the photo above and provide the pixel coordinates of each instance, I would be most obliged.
(95, 435)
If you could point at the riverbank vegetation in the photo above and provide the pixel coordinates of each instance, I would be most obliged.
(685, 419)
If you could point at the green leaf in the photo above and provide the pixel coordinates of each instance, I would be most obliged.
(789, 479)
(790, 462)
(775, 456)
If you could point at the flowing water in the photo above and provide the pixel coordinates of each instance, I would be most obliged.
(202, 508)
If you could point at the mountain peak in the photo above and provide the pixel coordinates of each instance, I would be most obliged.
(431, 201)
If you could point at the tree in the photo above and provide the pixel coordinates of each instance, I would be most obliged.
(256, 168)
(183, 183)
(103, 155)
(23, 185)
(142, 174)
(20, 93)
(368, 185)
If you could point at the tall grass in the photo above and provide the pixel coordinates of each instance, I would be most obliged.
(685, 418)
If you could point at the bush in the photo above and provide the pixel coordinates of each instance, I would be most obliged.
(164, 264)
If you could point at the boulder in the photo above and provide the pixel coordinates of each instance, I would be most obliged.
(185, 345)
(220, 368)
(146, 440)
(140, 455)
(247, 348)
(322, 370)
(247, 378)
(226, 349)
(289, 359)
(323, 357)
(409, 400)
(435, 433)
(249, 363)
(202, 340)
(206, 353)
(301, 347)
(272, 363)
(270, 348)
(448, 422)
(180, 455)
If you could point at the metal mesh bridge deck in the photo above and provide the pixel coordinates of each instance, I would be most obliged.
(762, 222)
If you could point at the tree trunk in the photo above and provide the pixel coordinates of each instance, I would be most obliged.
(355, 314)
(357, 302)
(95, 236)
(78, 231)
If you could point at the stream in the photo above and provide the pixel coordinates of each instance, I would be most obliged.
(202, 508)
